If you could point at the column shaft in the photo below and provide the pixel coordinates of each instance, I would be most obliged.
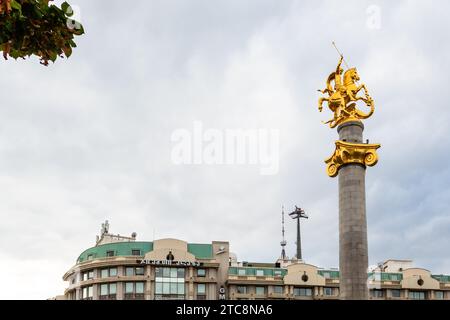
(353, 250)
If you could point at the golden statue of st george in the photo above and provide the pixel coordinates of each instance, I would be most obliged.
(342, 97)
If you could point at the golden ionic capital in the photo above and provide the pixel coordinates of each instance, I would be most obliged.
(345, 153)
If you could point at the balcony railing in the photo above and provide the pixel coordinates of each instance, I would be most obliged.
(134, 296)
(107, 297)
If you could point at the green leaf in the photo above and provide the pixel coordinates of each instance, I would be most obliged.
(53, 55)
(67, 9)
(17, 6)
(14, 54)
(72, 43)
(67, 51)
(79, 30)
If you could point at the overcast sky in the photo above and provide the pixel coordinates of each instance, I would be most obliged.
(89, 138)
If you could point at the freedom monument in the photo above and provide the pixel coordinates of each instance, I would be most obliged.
(349, 162)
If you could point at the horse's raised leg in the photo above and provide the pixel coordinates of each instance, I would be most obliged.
(321, 100)
(363, 86)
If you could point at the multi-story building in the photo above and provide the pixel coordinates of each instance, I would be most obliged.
(301, 281)
(119, 267)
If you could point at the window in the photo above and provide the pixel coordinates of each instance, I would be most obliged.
(304, 292)
(139, 271)
(201, 291)
(278, 273)
(87, 275)
(134, 271)
(110, 253)
(170, 283)
(377, 293)
(278, 289)
(104, 289)
(139, 287)
(395, 293)
(90, 257)
(129, 271)
(260, 290)
(326, 275)
(439, 295)
(108, 291)
(417, 295)
(106, 273)
(134, 290)
(259, 273)
(135, 252)
(201, 273)
(129, 287)
(328, 291)
(395, 277)
(113, 272)
(201, 288)
(87, 293)
(242, 289)
(241, 272)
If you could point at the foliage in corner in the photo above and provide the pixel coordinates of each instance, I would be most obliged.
(35, 27)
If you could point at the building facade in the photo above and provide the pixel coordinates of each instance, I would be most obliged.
(121, 268)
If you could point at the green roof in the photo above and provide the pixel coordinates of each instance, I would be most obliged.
(385, 276)
(441, 278)
(200, 251)
(389, 276)
(119, 249)
(329, 274)
(251, 271)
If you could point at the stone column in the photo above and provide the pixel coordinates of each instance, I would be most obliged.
(95, 290)
(120, 291)
(149, 287)
(353, 251)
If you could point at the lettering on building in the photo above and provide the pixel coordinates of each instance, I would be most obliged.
(170, 263)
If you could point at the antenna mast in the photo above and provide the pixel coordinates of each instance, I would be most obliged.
(283, 242)
(297, 214)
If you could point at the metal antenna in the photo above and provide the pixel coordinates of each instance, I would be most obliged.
(297, 214)
(283, 242)
(334, 45)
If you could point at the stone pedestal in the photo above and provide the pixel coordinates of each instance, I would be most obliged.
(353, 251)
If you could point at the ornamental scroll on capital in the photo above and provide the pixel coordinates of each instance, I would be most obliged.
(346, 153)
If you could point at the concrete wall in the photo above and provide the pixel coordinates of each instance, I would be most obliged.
(412, 276)
(297, 271)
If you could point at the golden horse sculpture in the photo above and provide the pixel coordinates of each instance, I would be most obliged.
(342, 97)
